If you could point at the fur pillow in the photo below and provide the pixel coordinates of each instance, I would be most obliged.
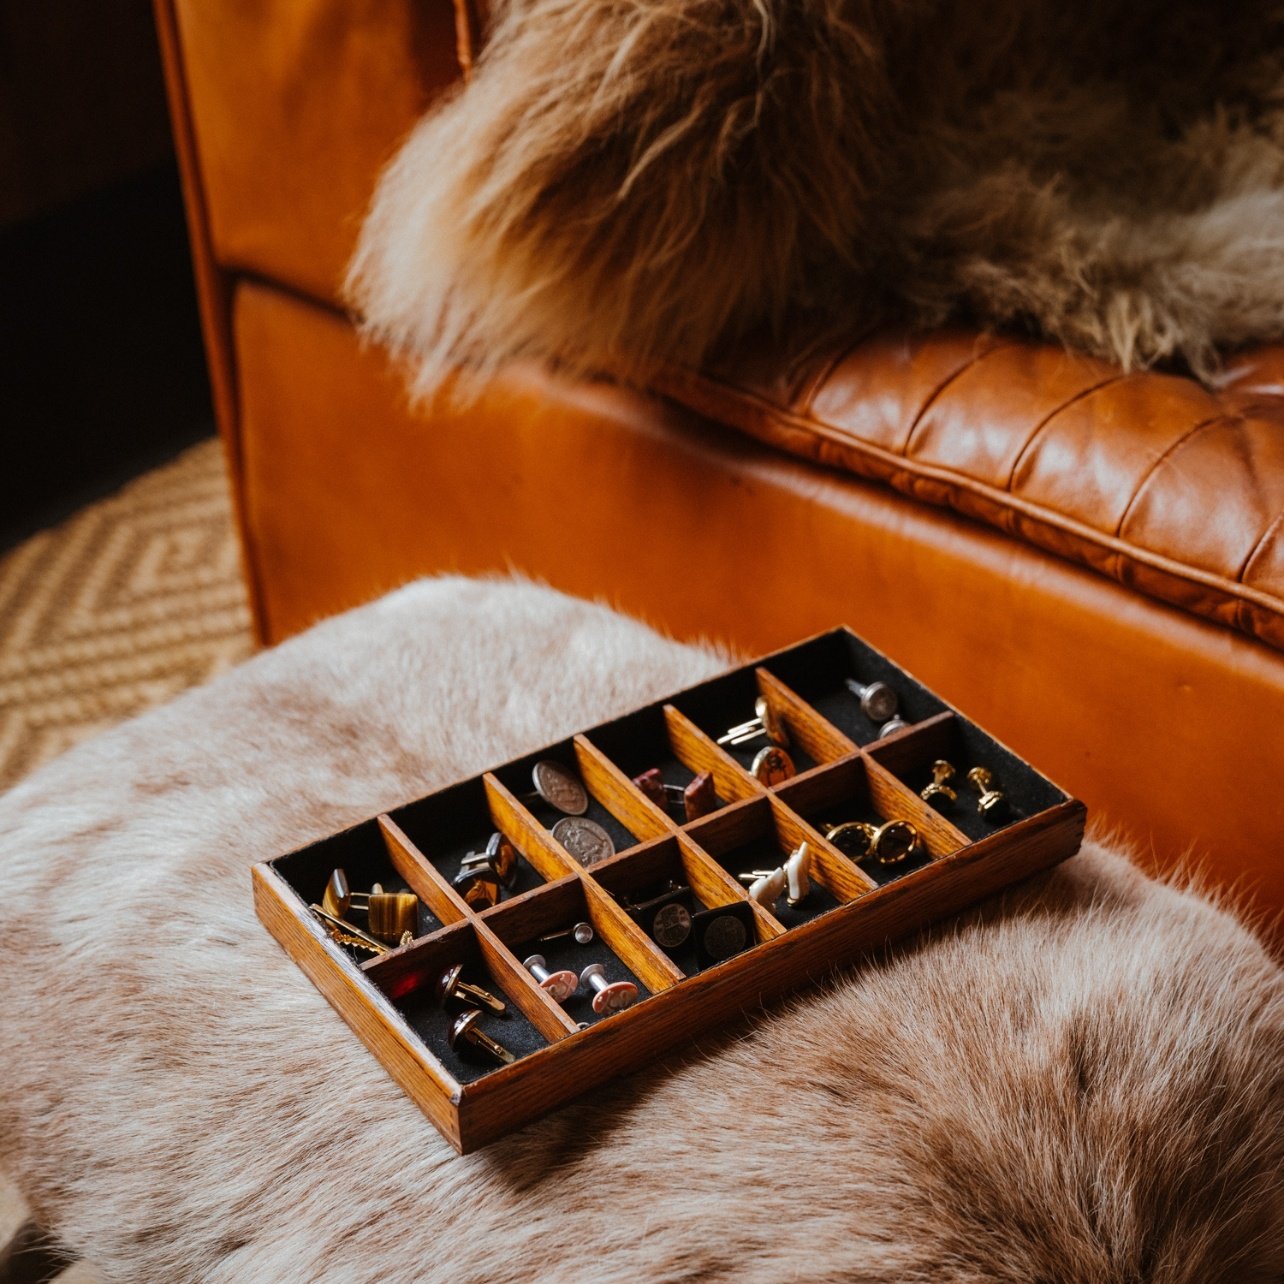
(1083, 1084)
(627, 183)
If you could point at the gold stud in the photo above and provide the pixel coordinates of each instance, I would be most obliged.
(991, 803)
(940, 793)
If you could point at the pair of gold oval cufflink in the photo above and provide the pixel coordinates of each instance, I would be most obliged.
(991, 802)
(889, 843)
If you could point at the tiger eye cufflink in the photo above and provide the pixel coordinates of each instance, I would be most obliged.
(767, 722)
(499, 856)
(389, 915)
(480, 888)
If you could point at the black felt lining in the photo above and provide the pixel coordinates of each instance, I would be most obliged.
(363, 856)
(816, 671)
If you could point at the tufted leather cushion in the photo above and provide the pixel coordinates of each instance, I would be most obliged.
(1169, 487)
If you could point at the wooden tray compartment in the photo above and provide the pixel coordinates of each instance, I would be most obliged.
(626, 825)
(366, 855)
(717, 706)
(909, 757)
(388, 1000)
(817, 671)
(443, 828)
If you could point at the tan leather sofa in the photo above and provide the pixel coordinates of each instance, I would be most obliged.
(1091, 563)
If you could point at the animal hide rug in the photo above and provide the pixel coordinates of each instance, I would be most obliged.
(1082, 1083)
(629, 183)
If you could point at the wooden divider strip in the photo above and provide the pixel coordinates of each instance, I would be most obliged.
(844, 879)
(540, 1009)
(549, 858)
(422, 876)
(893, 799)
(697, 752)
(634, 948)
(619, 795)
(814, 733)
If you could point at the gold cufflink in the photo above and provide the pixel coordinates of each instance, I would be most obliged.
(889, 843)
(991, 803)
(767, 723)
(467, 1038)
(452, 988)
(772, 766)
(940, 793)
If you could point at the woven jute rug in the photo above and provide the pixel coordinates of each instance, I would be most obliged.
(117, 609)
(130, 601)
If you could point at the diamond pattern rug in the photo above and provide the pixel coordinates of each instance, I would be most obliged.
(119, 608)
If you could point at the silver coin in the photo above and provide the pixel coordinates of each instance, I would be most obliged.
(557, 787)
(586, 840)
(671, 925)
(724, 936)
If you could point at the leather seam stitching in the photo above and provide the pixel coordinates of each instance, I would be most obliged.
(1166, 453)
(1051, 415)
(1047, 517)
(1261, 544)
(935, 395)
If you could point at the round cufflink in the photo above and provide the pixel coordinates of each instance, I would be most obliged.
(877, 700)
(452, 988)
(772, 766)
(471, 1042)
(585, 839)
(940, 793)
(992, 803)
(558, 787)
(560, 985)
(581, 933)
(767, 722)
(609, 996)
(894, 724)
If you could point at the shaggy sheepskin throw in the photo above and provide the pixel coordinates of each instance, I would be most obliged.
(1083, 1083)
(629, 183)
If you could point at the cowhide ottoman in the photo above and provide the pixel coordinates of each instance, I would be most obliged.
(1082, 1083)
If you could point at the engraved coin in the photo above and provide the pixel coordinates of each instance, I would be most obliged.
(586, 840)
(557, 787)
(724, 937)
(671, 925)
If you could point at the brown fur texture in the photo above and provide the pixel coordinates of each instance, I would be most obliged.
(1082, 1084)
(627, 183)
